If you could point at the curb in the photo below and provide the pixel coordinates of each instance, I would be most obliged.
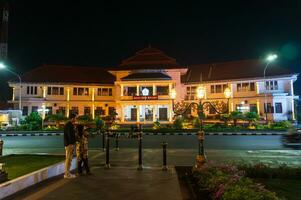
(147, 133)
(16, 185)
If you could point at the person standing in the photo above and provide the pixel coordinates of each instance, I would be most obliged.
(69, 142)
(82, 150)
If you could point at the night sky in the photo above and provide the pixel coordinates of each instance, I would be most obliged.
(102, 34)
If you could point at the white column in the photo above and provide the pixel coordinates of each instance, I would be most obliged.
(154, 112)
(68, 94)
(154, 90)
(170, 112)
(14, 91)
(122, 113)
(121, 92)
(44, 92)
(93, 110)
(138, 113)
(137, 92)
(292, 94)
(93, 94)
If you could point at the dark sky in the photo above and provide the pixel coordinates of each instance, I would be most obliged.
(193, 32)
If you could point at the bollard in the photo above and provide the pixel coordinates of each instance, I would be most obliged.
(117, 142)
(1, 147)
(140, 167)
(164, 166)
(107, 165)
(103, 141)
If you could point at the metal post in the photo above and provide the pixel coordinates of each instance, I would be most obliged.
(103, 141)
(107, 152)
(140, 167)
(117, 142)
(164, 166)
(1, 147)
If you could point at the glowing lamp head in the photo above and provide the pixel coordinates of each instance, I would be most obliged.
(227, 93)
(173, 94)
(201, 92)
(2, 66)
(271, 57)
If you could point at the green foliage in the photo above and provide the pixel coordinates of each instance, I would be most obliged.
(227, 182)
(157, 125)
(225, 118)
(99, 123)
(57, 118)
(251, 117)
(33, 122)
(235, 116)
(282, 125)
(178, 123)
(84, 119)
(196, 123)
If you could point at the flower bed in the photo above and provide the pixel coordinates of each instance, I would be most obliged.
(227, 182)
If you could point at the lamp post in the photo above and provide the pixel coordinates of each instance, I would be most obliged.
(3, 66)
(201, 91)
(269, 59)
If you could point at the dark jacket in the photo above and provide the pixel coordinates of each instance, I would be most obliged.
(69, 134)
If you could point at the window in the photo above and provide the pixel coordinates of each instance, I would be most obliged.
(245, 87)
(34, 109)
(218, 88)
(253, 108)
(49, 110)
(278, 107)
(129, 91)
(99, 111)
(271, 85)
(74, 110)
(61, 110)
(162, 90)
(32, 90)
(104, 92)
(190, 92)
(268, 108)
(55, 91)
(25, 110)
(81, 91)
(87, 110)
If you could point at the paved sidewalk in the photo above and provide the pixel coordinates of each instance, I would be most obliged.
(115, 183)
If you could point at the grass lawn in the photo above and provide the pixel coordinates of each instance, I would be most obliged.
(285, 188)
(18, 165)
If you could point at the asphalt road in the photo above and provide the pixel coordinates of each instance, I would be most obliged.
(54, 144)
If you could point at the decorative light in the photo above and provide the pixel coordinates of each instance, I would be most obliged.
(271, 57)
(2, 66)
(227, 93)
(173, 94)
(201, 92)
(145, 92)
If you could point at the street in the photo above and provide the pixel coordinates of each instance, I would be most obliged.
(54, 144)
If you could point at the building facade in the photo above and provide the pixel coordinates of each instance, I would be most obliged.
(139, 88)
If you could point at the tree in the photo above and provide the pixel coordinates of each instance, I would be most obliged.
(99, 123)
(57, 118)
(251, 117)
(33, 121)
(225, 118)
(235, 116)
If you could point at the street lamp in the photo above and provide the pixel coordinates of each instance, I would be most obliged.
(270, 58)
(3, 66)
(201, 93)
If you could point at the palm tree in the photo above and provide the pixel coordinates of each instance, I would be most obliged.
(235, 116)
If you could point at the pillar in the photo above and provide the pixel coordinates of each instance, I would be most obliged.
(93, 111)
(138, 113)
(121, 90)
(154, 90)
(154, 112)
(137, 92)
(14, 91)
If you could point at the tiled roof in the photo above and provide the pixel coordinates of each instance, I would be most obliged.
(146, 76)
(232, 70)
(68, 74)
(148, 58)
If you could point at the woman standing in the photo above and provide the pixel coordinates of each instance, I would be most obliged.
(82, 150)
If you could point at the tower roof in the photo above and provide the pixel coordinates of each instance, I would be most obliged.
(148, 58)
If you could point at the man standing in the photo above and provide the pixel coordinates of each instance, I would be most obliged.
(69, 142)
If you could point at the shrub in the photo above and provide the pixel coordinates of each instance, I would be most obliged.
(84, 119)
(225, 118)
(251, 117)
(99, 123)
(57, 118)
(157, 125)
(33, 122)
(178, 123)
(282, 125)
(228, 182)
(235, 116)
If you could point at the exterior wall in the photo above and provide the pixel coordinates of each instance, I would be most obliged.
(284, 94)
